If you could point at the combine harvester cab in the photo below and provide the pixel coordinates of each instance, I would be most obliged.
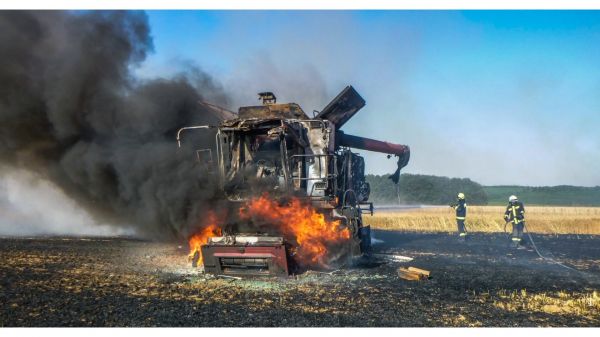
(276, 149)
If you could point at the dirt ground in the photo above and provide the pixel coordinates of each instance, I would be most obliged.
(126, 282)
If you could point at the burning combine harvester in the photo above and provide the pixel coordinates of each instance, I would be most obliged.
(297, 189)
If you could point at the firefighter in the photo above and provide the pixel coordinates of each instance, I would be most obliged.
(461, 213)
(515, 213)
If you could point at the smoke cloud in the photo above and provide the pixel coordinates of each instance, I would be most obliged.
(33, 206)
(72, 113)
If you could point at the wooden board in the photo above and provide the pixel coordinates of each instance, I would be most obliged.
(413, 274)
(419, 271)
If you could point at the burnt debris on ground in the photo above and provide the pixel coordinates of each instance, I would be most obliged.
(125, 282)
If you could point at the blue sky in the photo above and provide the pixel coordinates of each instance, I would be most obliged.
(501, 97)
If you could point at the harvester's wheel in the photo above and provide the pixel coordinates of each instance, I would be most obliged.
(195, 259)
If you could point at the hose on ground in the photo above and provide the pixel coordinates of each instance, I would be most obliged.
(542, 256)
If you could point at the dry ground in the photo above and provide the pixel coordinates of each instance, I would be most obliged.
(540, 219)
(123, 282)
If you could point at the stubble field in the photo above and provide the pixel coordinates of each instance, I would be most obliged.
(74, 281)
(121, 282)
(489, 219)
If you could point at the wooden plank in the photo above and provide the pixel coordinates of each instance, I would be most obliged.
(413, 274)
(408, 275)
(419, 271)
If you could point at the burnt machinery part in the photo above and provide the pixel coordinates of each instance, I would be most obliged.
(363, 143)
(245, 255)
(368, 144)
(345, 105)
(245, 260)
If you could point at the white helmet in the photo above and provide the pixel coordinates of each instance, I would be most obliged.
(460, 195)
(512, 198)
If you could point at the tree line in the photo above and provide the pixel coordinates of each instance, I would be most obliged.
(424, 189)
(435, 190)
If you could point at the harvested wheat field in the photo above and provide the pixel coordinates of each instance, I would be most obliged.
(489, 219)
(481, 282)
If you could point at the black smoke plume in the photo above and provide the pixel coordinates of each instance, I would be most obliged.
(72, 112)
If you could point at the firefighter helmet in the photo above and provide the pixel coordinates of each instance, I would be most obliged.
(512, 198)
(461, 195)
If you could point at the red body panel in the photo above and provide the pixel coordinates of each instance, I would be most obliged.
(245, 259)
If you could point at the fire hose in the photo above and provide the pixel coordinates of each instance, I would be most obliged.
(536, 249)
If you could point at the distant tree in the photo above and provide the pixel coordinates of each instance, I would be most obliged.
(562, 195)
(434, 190)
(424, 189)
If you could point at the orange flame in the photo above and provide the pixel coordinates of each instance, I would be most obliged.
(301, 222)
(201, 238)
(309, 232)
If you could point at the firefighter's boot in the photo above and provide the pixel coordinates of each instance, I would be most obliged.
(515, 242)
(462, 232)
